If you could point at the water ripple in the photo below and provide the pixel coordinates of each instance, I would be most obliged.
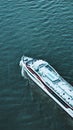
(42, 29)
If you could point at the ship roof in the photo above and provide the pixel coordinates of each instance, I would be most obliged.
(56, 82)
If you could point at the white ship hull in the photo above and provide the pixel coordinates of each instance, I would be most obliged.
(40, 82)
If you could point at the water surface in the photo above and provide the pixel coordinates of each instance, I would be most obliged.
(41, 29)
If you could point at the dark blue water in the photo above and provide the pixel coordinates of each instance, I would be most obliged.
(41, 29)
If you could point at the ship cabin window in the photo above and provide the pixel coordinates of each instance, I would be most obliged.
(41, 65)
(38, 67)
(50, 68)
(30, 62)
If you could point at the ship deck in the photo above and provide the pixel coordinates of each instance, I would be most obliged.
(51, 78)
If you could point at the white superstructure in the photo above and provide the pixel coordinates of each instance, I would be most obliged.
(46, 77)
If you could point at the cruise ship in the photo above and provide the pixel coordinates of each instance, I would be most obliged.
(47, 78)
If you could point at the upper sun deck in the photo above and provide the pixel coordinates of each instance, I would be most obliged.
(45, 70)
